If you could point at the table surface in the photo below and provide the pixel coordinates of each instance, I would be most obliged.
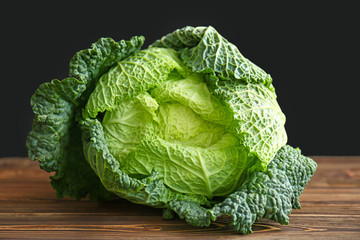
(30, 210)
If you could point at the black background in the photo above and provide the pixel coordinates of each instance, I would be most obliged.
(310, 49)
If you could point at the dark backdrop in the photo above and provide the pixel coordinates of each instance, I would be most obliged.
(310, 49)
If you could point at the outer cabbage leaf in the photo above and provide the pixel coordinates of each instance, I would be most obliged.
(258, 118)
(181, 38)
(270, 194)
(55, 139)
(53, 104)
(206, 51)
(89, 65)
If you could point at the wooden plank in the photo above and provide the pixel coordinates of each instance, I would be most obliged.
(30, 210)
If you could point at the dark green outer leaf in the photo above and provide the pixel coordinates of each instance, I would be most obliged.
(181, 38)
(271, 194)
(206, 51)
(90, 64)
(53, 105)
(214, 54)
(58, 104)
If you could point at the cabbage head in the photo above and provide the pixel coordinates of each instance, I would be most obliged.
(188, 124)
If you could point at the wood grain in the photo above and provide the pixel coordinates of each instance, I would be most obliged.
(30, 210)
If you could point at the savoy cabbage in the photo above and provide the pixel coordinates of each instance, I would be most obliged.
(188, 124)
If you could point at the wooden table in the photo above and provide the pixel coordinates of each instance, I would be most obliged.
(30, 210)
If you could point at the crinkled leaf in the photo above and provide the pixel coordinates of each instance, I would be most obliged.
(148, 191)
(49, 141)
(127, 125)
(193, 92)
(55, 139)
(258, 118)
(191, 170)
(132, 76)
(270, 194)
(89, 65)
(206, 51)
(181, 38)
(53, 104)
